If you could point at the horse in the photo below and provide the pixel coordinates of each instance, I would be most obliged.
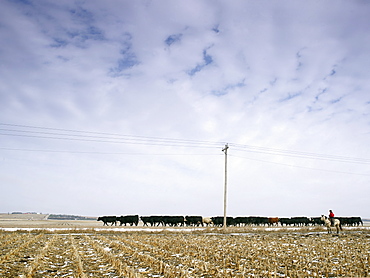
(327, 223)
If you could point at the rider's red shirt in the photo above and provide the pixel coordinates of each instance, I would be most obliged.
(331, 215)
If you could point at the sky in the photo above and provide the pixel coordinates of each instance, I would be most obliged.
(125, 107)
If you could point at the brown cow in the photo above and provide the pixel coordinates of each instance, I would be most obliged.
(273, 220)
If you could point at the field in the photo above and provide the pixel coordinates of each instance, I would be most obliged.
(74, 250)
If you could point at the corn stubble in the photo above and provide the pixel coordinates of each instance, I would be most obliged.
(135, 255)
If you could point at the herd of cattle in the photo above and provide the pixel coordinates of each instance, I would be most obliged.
(218, 221)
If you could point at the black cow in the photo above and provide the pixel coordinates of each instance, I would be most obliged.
(357, 221)
(152, 220)
(316, 221)
(173, 220)
(296, 221)
(300, 221)
(242, 220)
(285, 221)
(108, 219)
(350, 221)
(194, 220)
(219, 221)
(128, 219)
(258, 220)
(146, 220)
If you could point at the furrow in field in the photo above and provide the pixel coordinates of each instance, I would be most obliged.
(79, 269)
(10, 242)
(92, 263)
(55, 259)
(171, 263)
(16, 262)
(40, 257)
(193, 253)
(145, 263)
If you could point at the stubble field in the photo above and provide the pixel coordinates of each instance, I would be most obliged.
(182, 252)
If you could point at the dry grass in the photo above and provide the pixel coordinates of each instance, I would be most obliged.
(239, 252)
(46, 248)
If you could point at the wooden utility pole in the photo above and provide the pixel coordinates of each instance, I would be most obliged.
(225, 186)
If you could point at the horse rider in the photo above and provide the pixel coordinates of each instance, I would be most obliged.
(331, 217)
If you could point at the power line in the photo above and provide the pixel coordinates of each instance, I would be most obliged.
(49, 133)
(299, 154)
(122, 141)
(108, 153)
(111, 136)
(302, 167)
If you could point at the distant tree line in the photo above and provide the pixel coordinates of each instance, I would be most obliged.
(69, 217)
(19, 212)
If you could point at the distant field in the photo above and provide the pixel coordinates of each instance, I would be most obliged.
(24, 216)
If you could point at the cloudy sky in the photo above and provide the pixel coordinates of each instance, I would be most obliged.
(124, 107)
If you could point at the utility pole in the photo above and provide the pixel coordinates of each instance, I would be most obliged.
(225, 186)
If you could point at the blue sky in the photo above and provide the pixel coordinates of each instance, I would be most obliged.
(122, 107)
